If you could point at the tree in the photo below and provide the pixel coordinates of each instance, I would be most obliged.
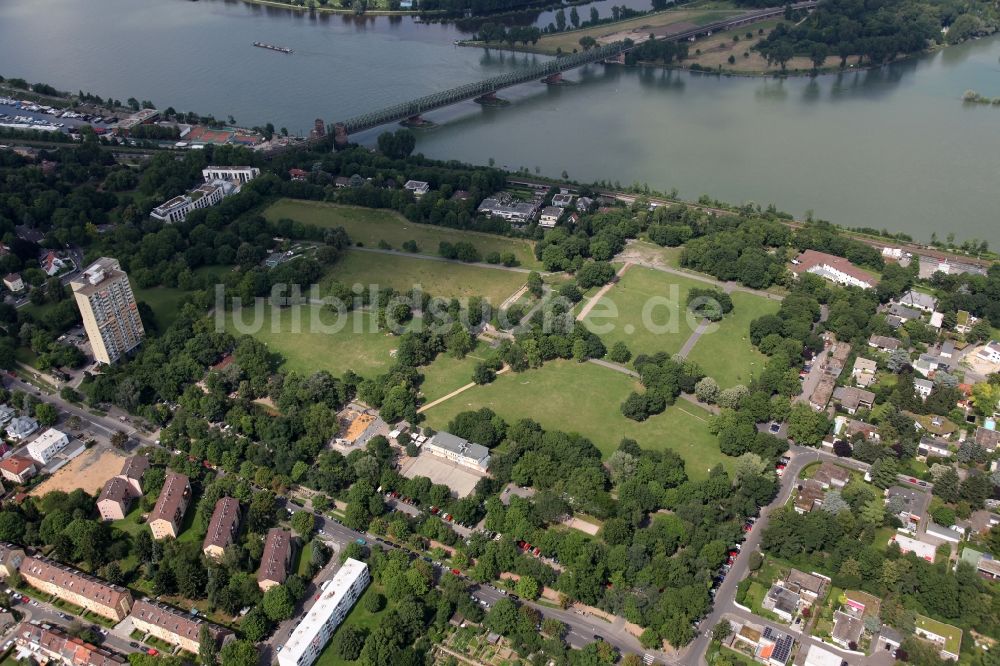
(722, 630)
(374, 602)
(707, 390)
(303, 522)
(574, 17)
(619, 353)
(278, 604)
(502, 618)
(884, 471)
(119, 439)
(527, 587)
(483, 374)
(349, 642)
(946, 486)
(255, 625)
(207, 647)
(240, 653)
(46, 413)
(561, 19)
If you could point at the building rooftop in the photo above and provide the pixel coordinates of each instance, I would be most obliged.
(173, 495)
(179, 623)
(884, 341)
(463, 447)
(117, 490)
(916, 299)
(134, 467)
(95, 276)
(952, 635)
(847, 628)
(67, 578)
(223, 523)
(329, 599)
(812, 261)
(17, 464)
(277, 551)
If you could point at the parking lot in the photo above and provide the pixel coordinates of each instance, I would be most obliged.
(461, 480)
(21, 115)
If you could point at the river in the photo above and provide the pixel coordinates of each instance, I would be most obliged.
(891, 148)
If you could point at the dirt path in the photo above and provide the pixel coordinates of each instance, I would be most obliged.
(600, 293)
(455, 392)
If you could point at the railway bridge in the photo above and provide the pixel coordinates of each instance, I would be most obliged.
(546, 72)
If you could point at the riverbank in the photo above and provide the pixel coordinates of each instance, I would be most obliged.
(348, 11)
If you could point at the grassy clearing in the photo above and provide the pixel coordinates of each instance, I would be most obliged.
(448, 373)
(358, 617)
(369, 226)
(586, 398)
(165, 302)
(437, 278)
(621, 310)
(304, 558)
(357, 345)
(639, 26)
(727, 354)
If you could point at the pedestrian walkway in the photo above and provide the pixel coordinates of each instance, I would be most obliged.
(585, 310)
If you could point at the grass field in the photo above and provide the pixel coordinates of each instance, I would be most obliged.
(354, 347)
(586, 398)
(448, 373)
(369, 226)
(727, 354)
(669, 326)
(437, 278)
(166, 301)
(639, 26)
(358, 617)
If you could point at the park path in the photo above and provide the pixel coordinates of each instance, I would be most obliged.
(617, 367)
(600, 293)
(693, 338)
(513, 297)
(451, 395)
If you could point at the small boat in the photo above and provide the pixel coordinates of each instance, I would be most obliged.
(272, 47)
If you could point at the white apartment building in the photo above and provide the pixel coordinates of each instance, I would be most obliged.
(240, 175)
(109, 311)
(337, 597)
(203, 196)
(47, 444)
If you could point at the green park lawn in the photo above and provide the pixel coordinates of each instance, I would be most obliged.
(358, 617)
(448, 373)
(165, 302)
(618, 316)
(586, 398)
(369, 226)
(727, 353)
(437, 278)
(355, 346)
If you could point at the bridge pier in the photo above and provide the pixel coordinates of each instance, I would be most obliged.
(553, 79)
(416, 121)
(490, 99)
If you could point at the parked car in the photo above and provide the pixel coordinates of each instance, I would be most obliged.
(360, 542)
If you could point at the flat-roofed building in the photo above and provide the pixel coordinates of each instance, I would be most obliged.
(165, 520)
(47, 445)
(461, 451)
(336, 598)
(111, 601)
(174, 626)
(222, 527)
(276, 559)
(240, 175)
(110, 313)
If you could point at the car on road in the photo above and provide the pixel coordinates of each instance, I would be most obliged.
(456, 572)
(360, 542)
(133, 644)
(912, 480)
(323, 532)
(152, 652)
(278, 649)
(598, 637)
(922, 483)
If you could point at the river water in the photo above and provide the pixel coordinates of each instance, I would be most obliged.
(891, 148)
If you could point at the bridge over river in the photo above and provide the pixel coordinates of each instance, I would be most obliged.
(547, 72)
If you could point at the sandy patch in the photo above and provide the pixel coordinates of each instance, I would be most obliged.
(979, 365)
(88, 471)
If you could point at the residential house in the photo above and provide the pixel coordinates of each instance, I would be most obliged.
(47, 445)
(238, 175)
(165, 520)
(18, 469)
(909, 503)
(923, 387)
(947, 349)
(550, 216)
(782, 602)
(983, 521)
(21, 427)
(943, 533)
(987, 438)
(833, 268)
(51, 264)
(584, 204)
(302, 174)
(964, 322)
(768, 645)
(818, 656)
(563, 200)
(115, 500)
(883, 343)
(863, 372)
(221, 528)
(821, 394)
(852, 398)
(810, 495)
(50, 644)
(946, 637)
(829, 475)
(919, 300)
(506, 207)
(893, 253)
(808, 586)
(174, 626)
(13, 282)
(990, 352)
(838, 357)
(866, 430)
(276, 559)
(418, 187)
(133, 470)
(847, 629)
(76, 587)
(919, 548)
(932, 446)
(903, 313)
(937, 320)
(983, 563)
(927, 364)
(11, 557)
